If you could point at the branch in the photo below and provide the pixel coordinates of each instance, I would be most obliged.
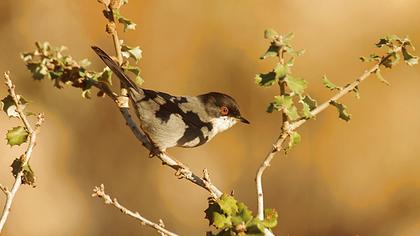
(100, 193)
(112, 6)
(287, 129)
(10, 194)
(123, 104)
(279, 142)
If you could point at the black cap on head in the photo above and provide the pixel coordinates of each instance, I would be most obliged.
(219, 104)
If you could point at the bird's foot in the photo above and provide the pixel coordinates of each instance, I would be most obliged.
(155, 152)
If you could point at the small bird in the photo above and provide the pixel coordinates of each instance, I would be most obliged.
(177, 121)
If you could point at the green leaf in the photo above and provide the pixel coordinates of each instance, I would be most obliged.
(382, 42)
(308, 105)
(270, 34)
(17, 166)
(266, 80)
(281, 71)
(128, 24)
(271, 107)
(228, 204)
(296, 85)
(288, 38)
(294, 139)
(17, 136)
(310, 102)
(28, 176)
(211, 209)
(291, 62)
(7, 104)
(390, 60)
(105, 76)
(221, 221)
(244, 214)
(272, 51)
(388, 41)
(328, 84)
(297, 53)
(285, 103)
(270, 218)
(409, 58)
(133, 52)
(342, 111)
(39, 71)
(387, 62)
(380, 77)
(136, 71)
(255, 228)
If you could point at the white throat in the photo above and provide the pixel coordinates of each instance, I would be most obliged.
(221, 124)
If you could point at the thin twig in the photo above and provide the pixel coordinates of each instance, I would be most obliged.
(113, 6)
(100, 192)
(10, 194)
(208, 184)
(286, 131)
(111, 28)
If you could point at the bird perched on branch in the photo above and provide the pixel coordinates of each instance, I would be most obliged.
(177, 121)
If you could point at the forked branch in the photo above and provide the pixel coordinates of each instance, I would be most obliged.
(288, 129)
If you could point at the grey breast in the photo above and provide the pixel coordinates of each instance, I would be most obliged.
(171, 120)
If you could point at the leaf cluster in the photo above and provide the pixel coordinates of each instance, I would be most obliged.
(393, 56)
(17, 136)
(51, 62)
(231, 218)
(294, 93)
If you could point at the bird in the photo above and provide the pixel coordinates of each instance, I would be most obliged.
(177, 121)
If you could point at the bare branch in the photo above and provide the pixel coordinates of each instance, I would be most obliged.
(209, 185)
(100, 192)
(28, 153)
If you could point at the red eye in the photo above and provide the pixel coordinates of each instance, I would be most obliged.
(224, 110)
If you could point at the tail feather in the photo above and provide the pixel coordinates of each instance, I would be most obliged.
(114, 67)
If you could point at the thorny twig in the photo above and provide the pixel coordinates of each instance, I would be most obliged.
(160, 227)
(10, 194)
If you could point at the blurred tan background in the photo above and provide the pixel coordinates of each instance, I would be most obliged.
(356, 178)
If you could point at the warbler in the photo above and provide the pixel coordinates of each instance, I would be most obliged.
(177, 121)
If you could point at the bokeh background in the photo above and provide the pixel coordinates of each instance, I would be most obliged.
(356, 178)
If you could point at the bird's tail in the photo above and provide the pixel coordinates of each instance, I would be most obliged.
(115, 68)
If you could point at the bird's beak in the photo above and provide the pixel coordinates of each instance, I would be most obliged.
(243, 120)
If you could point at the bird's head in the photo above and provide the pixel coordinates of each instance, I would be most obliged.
(222, 109)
